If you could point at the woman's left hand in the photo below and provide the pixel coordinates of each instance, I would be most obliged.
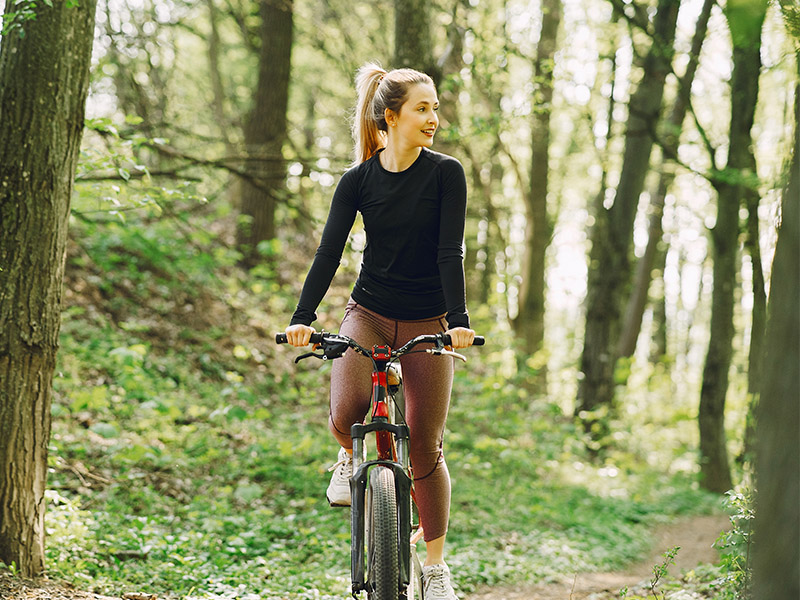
(461, 337)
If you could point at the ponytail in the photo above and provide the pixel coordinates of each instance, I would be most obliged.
(367, 136)
(378, 90)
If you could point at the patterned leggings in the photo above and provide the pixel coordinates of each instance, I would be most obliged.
(427, 382)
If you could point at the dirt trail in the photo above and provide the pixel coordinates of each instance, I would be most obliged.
(694, 536)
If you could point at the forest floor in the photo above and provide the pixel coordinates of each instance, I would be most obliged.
(694, 535)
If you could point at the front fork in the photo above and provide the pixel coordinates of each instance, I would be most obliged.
(398, 462)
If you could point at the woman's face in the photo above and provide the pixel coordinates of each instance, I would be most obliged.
(417, 120)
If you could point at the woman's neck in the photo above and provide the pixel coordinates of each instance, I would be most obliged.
(396, 160)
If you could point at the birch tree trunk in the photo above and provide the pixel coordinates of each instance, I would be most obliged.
(43, 91)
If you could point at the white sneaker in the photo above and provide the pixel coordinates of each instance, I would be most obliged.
(436, 583)
(339, 488)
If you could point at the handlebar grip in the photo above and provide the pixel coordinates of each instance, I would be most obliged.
(478, 341)
(316, 338)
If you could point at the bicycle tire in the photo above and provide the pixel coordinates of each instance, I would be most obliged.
(383, 571)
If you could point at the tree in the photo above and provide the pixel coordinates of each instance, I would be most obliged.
(413, 44)
(529, 323)
(265, 130)
(644, 267)
(776, 562)
(612, 236)
(745, 18)
(42, 99)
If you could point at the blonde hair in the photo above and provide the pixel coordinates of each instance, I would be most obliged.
(378, 90)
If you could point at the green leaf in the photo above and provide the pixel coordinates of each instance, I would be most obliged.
(105, 430)
(236, 413)
(247, 492)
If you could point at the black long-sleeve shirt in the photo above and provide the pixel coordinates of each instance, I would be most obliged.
(413, 263)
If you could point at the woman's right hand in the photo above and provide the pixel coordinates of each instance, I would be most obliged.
(299, 335)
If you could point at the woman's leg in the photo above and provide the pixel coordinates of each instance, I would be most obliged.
(351, 375)
(427, 383)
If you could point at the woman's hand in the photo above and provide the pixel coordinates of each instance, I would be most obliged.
(461, 337)
(299, 335)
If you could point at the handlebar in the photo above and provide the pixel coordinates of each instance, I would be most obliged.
(319, 337)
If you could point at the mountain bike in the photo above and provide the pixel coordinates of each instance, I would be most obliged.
(383, 559)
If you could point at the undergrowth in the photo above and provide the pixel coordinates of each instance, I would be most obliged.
(188, 454)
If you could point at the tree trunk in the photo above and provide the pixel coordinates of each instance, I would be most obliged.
(758, 322)
(529, 324)
(632, 323)
(215, 76)
(413, 44)
(745, 19)
(776, 561)
(265, 132)
(609, 260)
(42, 98)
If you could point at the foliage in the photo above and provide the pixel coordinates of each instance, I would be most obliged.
(22, 11)
(660, 571)
(735, 547)
(188, 455)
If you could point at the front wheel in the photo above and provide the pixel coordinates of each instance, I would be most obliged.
(383, 572)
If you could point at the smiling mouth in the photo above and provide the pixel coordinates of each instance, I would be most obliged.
(429, 132)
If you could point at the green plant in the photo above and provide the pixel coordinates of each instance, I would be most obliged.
(660, 572)
(735, 546)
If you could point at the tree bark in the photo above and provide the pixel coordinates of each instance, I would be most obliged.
(265, 131)
(215, 75)
(609, 260)
(634, 312)
(776, 561)
(43, 91)
(529, 324)
(745, 18)
(413, 44)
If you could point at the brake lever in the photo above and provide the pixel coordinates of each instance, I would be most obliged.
(446, 352)
(330, 350)
(309, 355)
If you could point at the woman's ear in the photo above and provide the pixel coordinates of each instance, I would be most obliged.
(390, 117)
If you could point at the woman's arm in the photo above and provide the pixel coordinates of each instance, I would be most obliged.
(451, 243)
(329, 253)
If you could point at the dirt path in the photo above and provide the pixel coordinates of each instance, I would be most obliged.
(694, 536)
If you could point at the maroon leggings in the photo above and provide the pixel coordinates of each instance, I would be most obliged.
(427, 382)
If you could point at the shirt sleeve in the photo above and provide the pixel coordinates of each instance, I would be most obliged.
(329, 253)
(451, 243)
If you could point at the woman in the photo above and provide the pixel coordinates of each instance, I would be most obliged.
(413, 203)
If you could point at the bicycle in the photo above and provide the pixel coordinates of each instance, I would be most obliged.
(381, 489)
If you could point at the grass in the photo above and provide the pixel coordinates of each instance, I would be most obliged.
(173, 482)
(188, 454)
